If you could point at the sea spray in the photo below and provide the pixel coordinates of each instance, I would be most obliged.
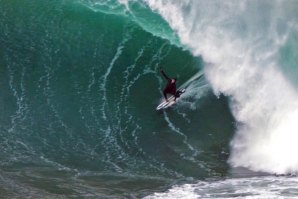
(240, 43)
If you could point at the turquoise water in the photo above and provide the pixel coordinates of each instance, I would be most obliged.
(79, 88)
(79, 84)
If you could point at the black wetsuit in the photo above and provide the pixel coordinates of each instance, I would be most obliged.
(170, 87)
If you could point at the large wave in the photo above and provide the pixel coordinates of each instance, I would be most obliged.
(248, 47)
(79, 86)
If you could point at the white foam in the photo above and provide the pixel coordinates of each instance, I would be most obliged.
(256, 187)
(240, 41)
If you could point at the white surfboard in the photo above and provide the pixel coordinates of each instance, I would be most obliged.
(166, 104)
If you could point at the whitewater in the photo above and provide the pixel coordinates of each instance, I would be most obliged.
(244, 44)
(243, 50)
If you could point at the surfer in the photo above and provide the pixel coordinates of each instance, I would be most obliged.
(170, 87)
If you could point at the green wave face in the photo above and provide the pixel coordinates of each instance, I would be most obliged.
(79, 84)
(137, 12)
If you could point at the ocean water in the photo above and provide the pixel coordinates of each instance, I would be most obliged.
(79, 84)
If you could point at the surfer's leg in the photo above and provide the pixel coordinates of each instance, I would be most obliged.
(174, 93)
(165, 95)
(178, 93)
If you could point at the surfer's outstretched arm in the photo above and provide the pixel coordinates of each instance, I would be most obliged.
(165, 76)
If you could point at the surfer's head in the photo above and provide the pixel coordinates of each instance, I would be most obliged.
(174, 80)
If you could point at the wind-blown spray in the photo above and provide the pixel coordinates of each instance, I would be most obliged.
(240, 43)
